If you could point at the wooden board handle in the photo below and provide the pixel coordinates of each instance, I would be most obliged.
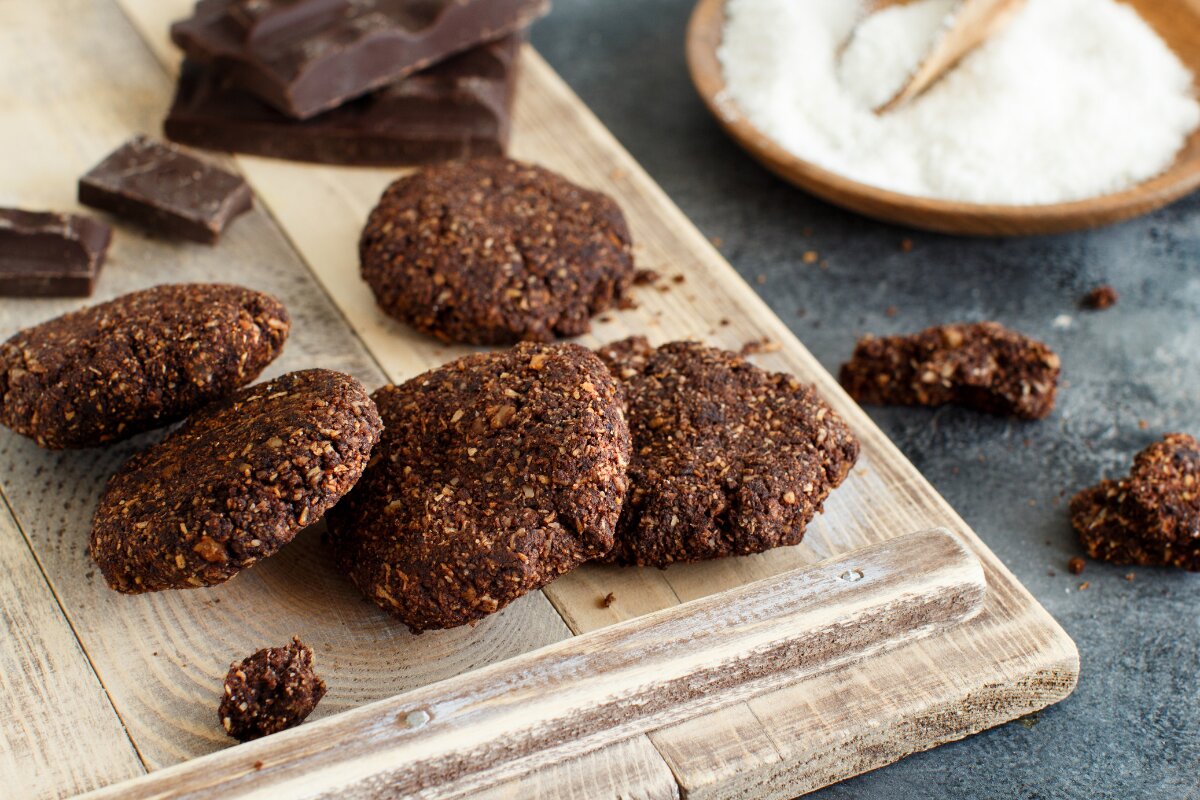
(472, 731)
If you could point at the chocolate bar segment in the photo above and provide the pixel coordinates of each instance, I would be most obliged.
(459, 108)
(303, 57)
(166, 190)
(47, 254)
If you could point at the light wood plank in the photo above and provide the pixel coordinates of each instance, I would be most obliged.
(71, 93)
(578, 696)
(59, 731)
(629, 770)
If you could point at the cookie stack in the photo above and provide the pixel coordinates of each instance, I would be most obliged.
(340, 82)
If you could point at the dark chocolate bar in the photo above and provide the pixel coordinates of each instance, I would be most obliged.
(166, 190)
(307, 56)
(47, 254)
(459, 108)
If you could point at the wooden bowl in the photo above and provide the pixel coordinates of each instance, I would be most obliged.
(1177, 21)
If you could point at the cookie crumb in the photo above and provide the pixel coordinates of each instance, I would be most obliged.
(1100, 298)
(608, 600)
(906, 245)
(811, 256)
(1129, 576)
(1149, 518)
(763, 345)
(645, 277)
(717, 241)
(761, 280)
(981, 365)
(1076, 565)
(1084, 586)
(270, 691)
(1143, 425)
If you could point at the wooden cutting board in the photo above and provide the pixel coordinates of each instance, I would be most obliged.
(103, 687)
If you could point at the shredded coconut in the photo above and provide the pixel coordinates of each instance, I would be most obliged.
(887, 47)
(1073, 99)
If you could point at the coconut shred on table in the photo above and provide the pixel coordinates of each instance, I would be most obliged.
(1072, 99)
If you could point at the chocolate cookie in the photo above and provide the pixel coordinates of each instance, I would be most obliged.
(727, 459)
(234, 483)
(493, 251)
(270, 691)
(137, 362)
(496, 473)
(983, 366)
(1153, 516)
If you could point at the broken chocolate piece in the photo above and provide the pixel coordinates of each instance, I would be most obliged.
(983, 366)
(453, 110)
(47, 254)
(166, 190)
(1151, 518)
(308, 56)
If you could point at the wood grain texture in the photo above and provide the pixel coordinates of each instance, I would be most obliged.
(73, 93)
(577, 696)
(628, 770)
(99, 86)
(59, 732)
(1177, 22)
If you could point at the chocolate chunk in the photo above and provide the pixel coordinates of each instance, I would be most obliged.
(496, 474)
(309, 56)
(166, 190)
(135, 363)
(46, 254)
(983, 366)
(1151, 518)
(728, 459)
(234, 483)
(270, 691)
(459, 108)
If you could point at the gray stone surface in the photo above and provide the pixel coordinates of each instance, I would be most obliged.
(1132, 729)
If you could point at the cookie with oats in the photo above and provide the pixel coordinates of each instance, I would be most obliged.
(494, 251)
(496, 474)
(728, 459)
(234, 483)
(135, 363)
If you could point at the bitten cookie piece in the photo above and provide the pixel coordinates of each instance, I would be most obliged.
(234, 483)
(270, 691)
(983, 366)
(727, 459)
(137, 362)
(493, 251)
(1153, 516)
(496, 473)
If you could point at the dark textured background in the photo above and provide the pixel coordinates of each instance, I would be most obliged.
(1132, 729)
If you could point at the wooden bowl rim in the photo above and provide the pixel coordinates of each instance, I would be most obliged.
(703, 38)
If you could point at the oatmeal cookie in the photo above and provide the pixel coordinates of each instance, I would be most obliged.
(493, 251)
(728, 459)
(496, 473)
(1153, 516)
(234, 483)
(983, 366)
(137, 362)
